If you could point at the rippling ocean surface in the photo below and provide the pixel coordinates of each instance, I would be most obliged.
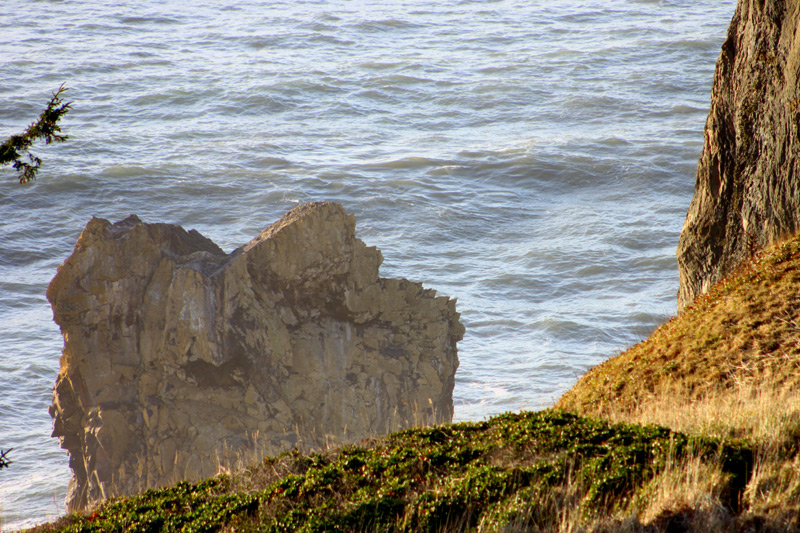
(534, 159)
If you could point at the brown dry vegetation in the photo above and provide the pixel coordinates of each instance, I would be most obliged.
(744, 334)
(728, 367)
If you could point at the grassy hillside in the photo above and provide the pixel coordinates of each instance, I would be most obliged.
(695, 429)
(727, 367)
(528, 471)
(744, 335)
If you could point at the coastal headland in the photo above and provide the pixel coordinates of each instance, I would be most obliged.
(696, 428)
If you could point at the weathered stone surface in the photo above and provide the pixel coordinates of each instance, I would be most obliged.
(179, 358)
(748, 181)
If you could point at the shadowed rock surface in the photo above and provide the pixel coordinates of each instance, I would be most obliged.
(179, 358)
(747, 194)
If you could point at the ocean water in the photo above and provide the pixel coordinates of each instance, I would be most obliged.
(534, 159)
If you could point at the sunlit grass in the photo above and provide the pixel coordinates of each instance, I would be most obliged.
(728, 368)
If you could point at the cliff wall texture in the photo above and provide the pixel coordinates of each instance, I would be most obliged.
(747, 193)
(179, 358)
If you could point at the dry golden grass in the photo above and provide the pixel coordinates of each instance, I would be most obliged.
(686, 485)
(745, 331)
(769, 418)
(728, 367)
(685, 496)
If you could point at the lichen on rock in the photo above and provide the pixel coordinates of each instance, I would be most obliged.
(179, 358)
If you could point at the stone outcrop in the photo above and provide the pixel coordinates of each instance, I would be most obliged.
(179, 358)
(748, 180)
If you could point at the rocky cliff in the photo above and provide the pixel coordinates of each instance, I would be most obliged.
(179, 358)
(747, 193)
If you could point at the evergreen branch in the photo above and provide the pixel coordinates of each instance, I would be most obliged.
(4, 462)
(46, 127)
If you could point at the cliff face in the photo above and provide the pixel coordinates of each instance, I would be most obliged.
(179, 358)
(748, 181)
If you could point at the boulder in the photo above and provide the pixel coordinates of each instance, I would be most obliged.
(747, 193)
(180, 359)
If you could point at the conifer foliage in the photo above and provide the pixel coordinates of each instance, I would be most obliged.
(13, 149)
(4, 462)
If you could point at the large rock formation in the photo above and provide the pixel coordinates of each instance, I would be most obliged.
(748, 180)
(179, 358)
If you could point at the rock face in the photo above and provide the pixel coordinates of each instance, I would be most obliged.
(179, 358)
(748, 180)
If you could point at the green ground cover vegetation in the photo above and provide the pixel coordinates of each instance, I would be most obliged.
(696, 428)
(522, 470)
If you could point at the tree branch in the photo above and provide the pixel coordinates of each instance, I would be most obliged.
(47, 128)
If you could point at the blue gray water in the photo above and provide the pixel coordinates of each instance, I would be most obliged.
(534, 159)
